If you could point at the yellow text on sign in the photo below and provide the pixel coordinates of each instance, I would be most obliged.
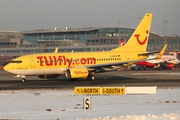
(87, 90)
(113, 90)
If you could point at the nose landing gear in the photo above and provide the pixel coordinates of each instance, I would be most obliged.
(23, 80)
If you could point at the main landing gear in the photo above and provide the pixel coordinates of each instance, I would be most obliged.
(91, 77)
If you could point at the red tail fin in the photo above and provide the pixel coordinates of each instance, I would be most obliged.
(122, 42)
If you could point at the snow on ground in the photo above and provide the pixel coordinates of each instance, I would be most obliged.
(57, 104)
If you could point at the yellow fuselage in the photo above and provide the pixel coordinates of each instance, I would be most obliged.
(55, 63)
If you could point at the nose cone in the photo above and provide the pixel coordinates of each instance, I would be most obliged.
(7, 67)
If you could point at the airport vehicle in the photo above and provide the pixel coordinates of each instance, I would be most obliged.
(76, 65)
(165, 62)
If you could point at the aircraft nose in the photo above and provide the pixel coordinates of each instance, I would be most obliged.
(6, 67)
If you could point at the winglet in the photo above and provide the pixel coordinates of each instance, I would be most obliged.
(56, 50)
(161, 52)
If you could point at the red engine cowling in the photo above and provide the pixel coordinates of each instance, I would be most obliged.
(76, 73)
(48, 76)
(170, 65)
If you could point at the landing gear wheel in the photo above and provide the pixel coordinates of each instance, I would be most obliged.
(23, 80)
(92, 78)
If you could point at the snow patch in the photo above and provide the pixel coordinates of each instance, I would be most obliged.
(63, 104)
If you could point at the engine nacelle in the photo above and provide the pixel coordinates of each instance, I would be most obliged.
(170, 65)
(48, 76)
(76, 73)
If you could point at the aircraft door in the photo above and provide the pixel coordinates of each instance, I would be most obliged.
(32, 62)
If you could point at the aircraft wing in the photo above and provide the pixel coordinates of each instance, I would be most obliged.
(111, 66)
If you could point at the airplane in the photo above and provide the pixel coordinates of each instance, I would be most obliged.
(77, 65)
(165, 62)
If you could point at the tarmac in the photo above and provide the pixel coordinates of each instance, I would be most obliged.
(159, 78)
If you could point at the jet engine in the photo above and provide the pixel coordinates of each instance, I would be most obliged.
(170, 66)
(48, 76)
(72, 73)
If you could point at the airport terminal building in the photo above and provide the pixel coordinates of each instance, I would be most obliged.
(9, 39)
(80, 39)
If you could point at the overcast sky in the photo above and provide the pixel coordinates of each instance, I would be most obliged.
(22, 15)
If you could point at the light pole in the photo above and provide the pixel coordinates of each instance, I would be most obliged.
(165, 30)
(119, 31)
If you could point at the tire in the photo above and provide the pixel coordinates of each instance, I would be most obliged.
(92, 78)
(23, 80)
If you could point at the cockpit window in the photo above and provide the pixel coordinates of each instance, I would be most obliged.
(16, 61)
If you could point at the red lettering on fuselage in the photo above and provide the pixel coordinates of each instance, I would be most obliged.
(62, 60)
(40, 60)
(48, 62)
(55, 60)
(77, 62)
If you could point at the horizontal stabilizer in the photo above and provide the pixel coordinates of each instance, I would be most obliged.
(158, 56)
